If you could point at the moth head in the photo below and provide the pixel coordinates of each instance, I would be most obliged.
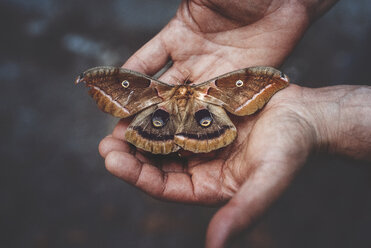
(159, 118)
(204, 118)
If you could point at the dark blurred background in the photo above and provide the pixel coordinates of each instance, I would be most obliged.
(54, 189)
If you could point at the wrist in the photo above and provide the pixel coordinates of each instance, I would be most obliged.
(341, 116)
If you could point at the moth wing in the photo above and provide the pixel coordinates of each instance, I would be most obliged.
(205, 127)
(123, 92)
(244, 91)
(153, 129)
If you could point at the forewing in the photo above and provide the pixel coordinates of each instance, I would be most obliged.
(123, 92)
(242, 92)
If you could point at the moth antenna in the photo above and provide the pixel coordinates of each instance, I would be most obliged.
(187, 77)
(176, 80)
(182, 77)
(188, 80)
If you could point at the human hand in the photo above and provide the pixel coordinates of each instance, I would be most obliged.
(204, 41)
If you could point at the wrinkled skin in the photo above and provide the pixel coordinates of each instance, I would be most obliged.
(206, 39)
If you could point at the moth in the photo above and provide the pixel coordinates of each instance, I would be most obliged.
(188, 116)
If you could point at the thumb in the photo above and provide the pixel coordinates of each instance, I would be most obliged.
(252, 199)
(151, 57)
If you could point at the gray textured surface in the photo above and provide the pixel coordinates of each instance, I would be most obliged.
(54, 189)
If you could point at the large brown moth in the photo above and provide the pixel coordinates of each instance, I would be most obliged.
(188, 116)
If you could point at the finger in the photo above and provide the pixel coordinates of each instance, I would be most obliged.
(115, 142)
(109, 144)
(172, 186)
(123, 146)
(253, 198)
(173, 164)
(150, 58)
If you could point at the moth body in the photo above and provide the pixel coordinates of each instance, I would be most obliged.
(182, 95)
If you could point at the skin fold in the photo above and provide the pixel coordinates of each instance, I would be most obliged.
(209, 38)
